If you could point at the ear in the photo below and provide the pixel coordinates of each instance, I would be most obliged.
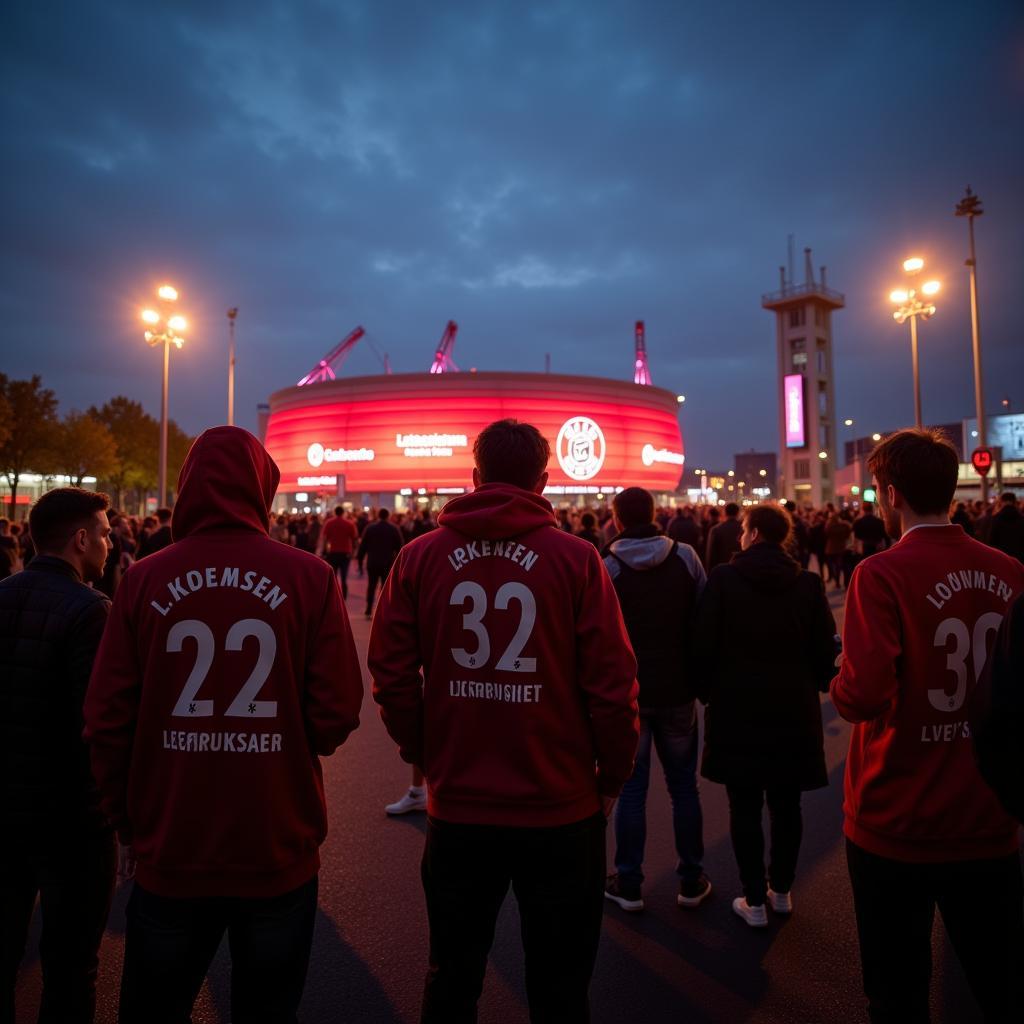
(894, 497)
(476, 477)
(541, 483)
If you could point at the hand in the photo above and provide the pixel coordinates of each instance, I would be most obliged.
(125, 862)
(608, 805)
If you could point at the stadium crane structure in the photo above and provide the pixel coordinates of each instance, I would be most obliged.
(324, 370)
(443, 362)
(641, 371)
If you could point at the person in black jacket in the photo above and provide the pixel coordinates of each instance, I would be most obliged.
(724, 539)
(160, 537)
(765, 641)
(58, 844)
(997, 713)
(1007, 530)
(658, 582)
(379, 545)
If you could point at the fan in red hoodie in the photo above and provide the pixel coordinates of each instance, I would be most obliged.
(226, 671)
(923, 829)
(524, 722)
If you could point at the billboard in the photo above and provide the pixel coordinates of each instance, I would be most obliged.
(386, 434)
(793, 403)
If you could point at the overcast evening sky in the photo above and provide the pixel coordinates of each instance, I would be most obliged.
(544, 174)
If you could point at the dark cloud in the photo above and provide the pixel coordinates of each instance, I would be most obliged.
(545, 174)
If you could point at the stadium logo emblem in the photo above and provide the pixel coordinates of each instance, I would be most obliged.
(580, 448)
(315, 454)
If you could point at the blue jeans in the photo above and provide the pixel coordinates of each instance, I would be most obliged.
(674, 733)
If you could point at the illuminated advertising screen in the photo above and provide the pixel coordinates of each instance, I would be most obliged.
(793, 403)
(412, 431)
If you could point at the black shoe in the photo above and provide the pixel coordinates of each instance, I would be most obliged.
(693, 894)
(626, 895)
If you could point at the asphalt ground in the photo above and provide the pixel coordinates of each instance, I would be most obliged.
(662, 966)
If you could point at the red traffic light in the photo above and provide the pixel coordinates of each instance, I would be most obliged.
(981, 460)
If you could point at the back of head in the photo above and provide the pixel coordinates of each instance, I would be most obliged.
(634, 507)
(732, 510)
(1008, 498)
(383, 515)
(59, 513)
(922, 465)
(511, 452)
(773, 523)
(587, 521)
(163, 515)
(339, 510)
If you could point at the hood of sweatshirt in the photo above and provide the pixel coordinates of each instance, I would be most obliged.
(497, 511)
(641, 548)
(766, 567)
(227, 483)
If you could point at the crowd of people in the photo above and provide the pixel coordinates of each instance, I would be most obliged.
(528, 662)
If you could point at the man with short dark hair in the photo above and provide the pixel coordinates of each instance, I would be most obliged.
(683, 528)
(58, 844)
(658, 581)
(523, 721)
(724, 538)
(922, 827)
(379, 545)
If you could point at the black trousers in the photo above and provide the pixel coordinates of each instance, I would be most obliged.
(169, 944)
(73, 874)
(339, 561)
(787, 827)
(980, 903)
(374, 576)
(557, 875)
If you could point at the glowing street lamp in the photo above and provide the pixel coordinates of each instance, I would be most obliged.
(173, 325)
(909, 306)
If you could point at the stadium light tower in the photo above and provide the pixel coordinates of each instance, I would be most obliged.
(910, 304)
(970, 207)
(164, 328)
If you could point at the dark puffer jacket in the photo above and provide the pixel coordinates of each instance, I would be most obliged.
(50, 628)
(765, 643)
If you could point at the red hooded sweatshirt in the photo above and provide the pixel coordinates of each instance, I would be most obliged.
(526, 712)
(920, 620)
(226, 671)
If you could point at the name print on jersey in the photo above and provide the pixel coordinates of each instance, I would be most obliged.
(229, 577)
(493, 549)
(968, 579)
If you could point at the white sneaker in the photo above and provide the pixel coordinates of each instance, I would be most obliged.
(414, 800)
(756, 917)
(782, 902)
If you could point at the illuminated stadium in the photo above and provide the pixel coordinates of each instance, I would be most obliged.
(387, 437)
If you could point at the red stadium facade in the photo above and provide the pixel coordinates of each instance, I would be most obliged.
(413, 432)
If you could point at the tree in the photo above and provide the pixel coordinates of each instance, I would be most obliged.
(178, 444)
(31, 424)
(86, 445)
(5, 417)
(137, 438)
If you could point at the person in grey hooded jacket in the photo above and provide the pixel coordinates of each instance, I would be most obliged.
(659, 581)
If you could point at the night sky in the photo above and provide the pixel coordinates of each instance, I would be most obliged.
(544, 174)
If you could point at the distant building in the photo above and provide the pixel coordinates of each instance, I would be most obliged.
(808, 437)
(758, 472)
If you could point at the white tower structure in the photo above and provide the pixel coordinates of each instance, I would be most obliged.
(808, 435)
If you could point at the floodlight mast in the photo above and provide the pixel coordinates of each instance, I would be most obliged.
(641, 371)
(324, 370)
(443, 362)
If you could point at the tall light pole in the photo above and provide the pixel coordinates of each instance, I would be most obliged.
(910, 306)
(970, 207)
(166, 330)
(232, 314)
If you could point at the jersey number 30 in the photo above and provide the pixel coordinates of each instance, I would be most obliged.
(966, 642)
